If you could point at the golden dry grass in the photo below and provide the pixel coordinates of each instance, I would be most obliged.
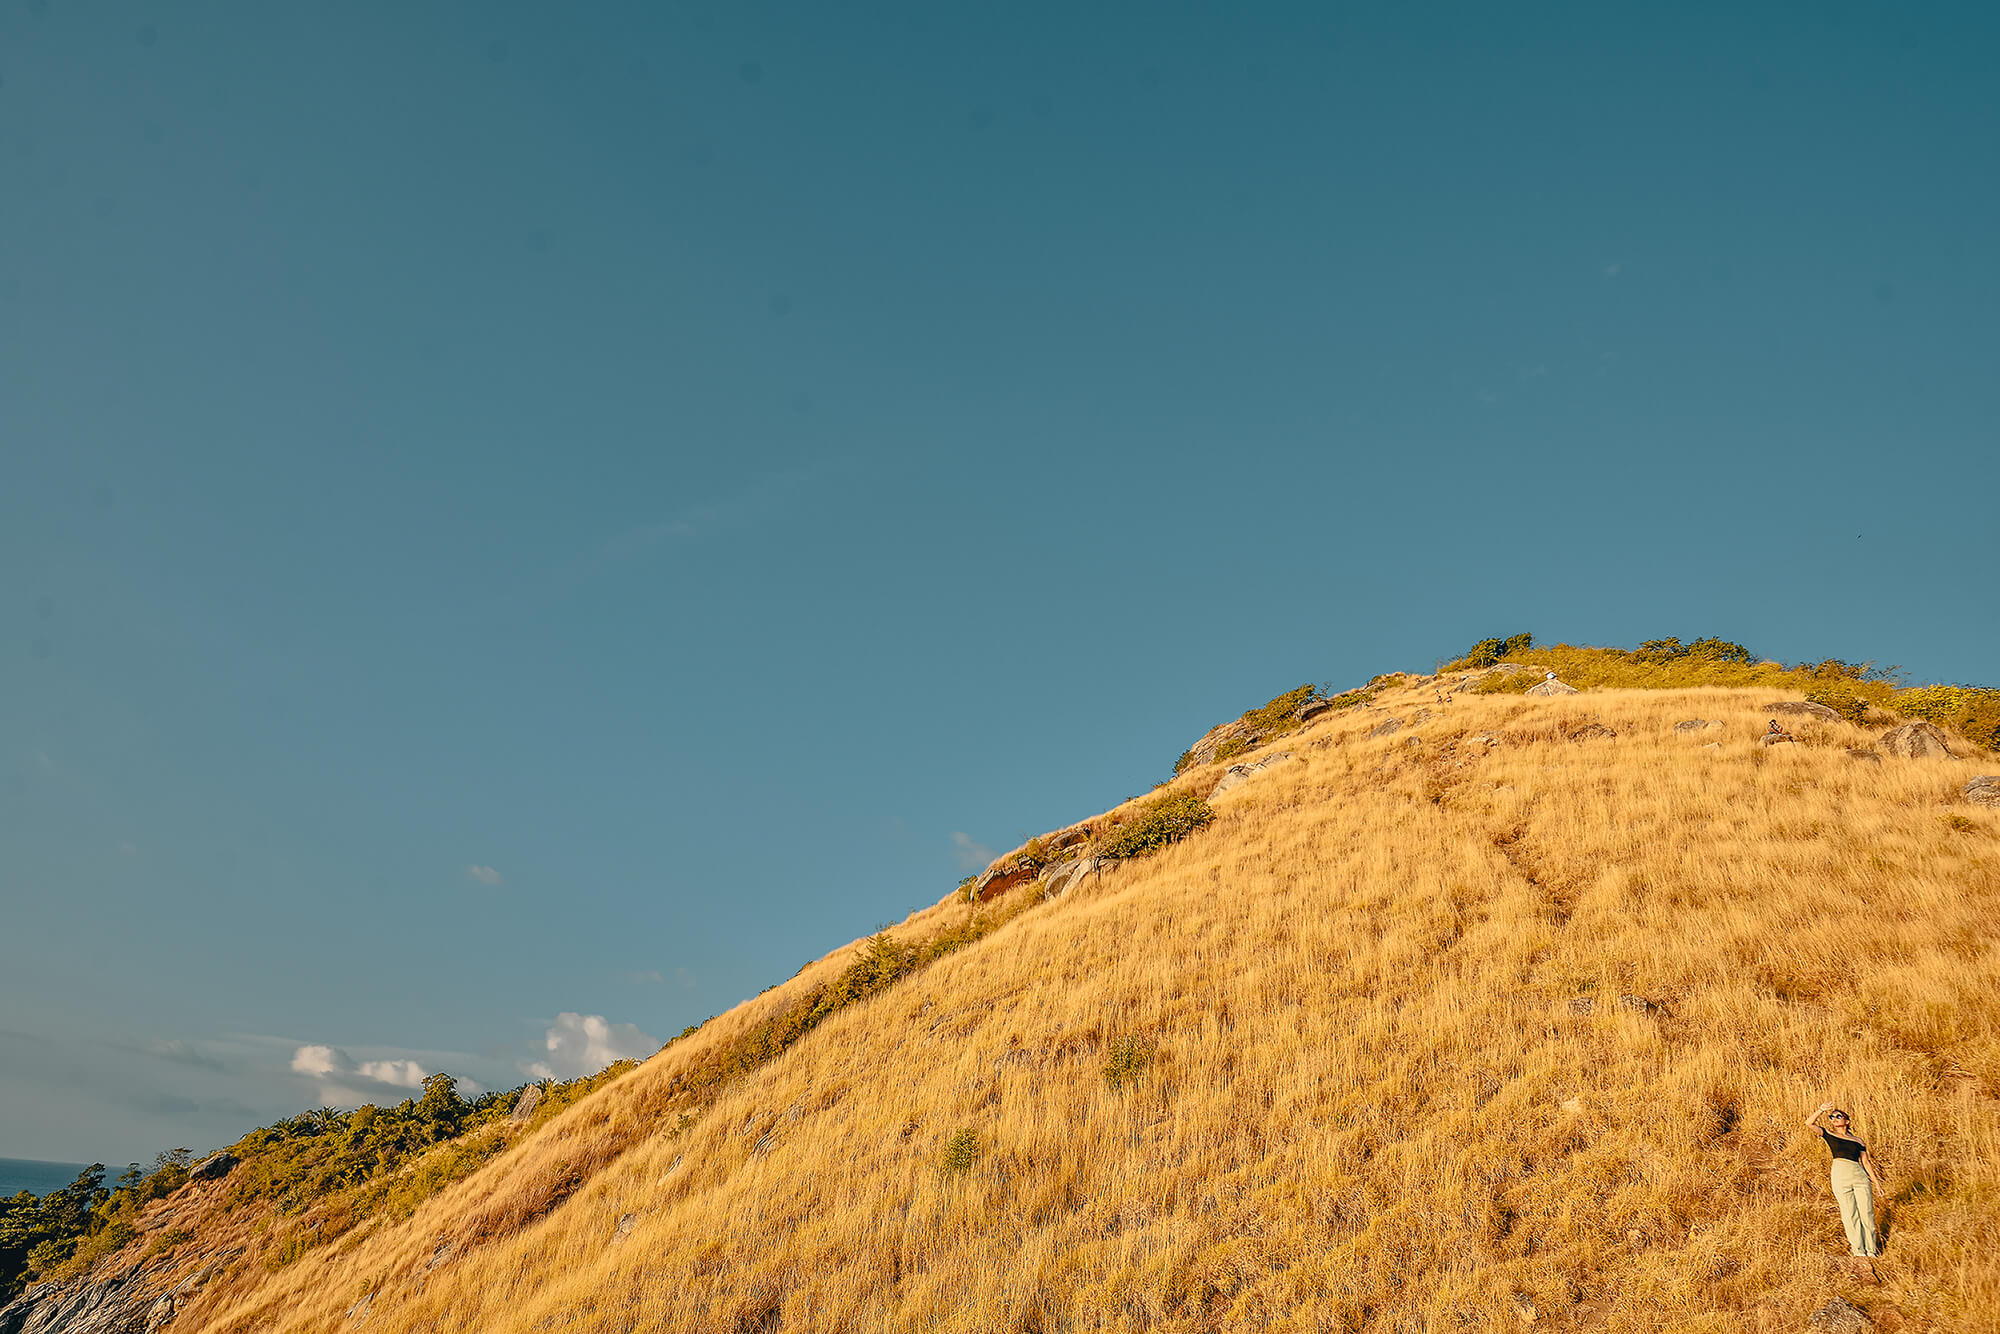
(1393, 1086)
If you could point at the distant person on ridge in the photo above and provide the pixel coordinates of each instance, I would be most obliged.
(1855, 1182)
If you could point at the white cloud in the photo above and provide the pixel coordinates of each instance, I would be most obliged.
(319, 1061)
(403, 1074)
(485, 875)
(583, 1044)
(972, 855)
(343, 1080)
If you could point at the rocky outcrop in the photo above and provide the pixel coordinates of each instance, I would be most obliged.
(1805, 708)
(1239, 774)
(1694, 725)
(1203, 751)
(1914, 741)
(525, 1105)
(213, 1168)
(1312, 708)
(1553, 687)
(120, 1305)
(1983, 790)
(1591, 732)
(1065, 876)
(1001, 877)
(1385, 727)
(1777, 739)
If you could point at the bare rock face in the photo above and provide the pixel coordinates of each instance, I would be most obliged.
(1203, 751)
(1914, 741)
(1060, 879)
(1805, 708)
(212, 1168)
(1553, 687)
(525, 1105)
(999, 879)
(1839, 1316)
(1777, 739)
(113, 1306)
(1694, 725)
(1983, 790)
(1312, 708)
(1386, 726)
(1239, 774)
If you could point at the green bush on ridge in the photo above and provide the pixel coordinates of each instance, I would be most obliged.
(1162, 821)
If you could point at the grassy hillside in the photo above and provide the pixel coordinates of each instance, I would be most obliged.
(1486, 1021)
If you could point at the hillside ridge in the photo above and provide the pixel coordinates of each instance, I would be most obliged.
(1497, 1015)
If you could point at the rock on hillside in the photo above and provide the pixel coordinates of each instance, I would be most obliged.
(1239, 774)
(1983, 790)
(1914, 741)
(1553, 687)
(1804, 707)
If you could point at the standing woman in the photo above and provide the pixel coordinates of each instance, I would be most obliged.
(1855, 1181)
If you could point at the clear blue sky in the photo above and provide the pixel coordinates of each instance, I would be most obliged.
(515, 524)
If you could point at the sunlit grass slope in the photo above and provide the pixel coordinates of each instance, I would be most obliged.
(1357, 1056)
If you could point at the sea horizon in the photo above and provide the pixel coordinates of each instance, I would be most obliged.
(36, 1175)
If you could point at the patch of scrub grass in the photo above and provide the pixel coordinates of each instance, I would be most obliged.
(1165, 820)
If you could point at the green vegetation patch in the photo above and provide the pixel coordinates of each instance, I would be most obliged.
(1164, 820)
(1127, 1059)
(1851, 689)
(961, 1151)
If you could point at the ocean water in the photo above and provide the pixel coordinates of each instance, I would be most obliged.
(19, 1174)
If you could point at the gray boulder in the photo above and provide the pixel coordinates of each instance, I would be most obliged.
(525, 1105)
(1592, 732)
(1805, 708)
(1983, 790)
(1693, 725)
(1914, 741)
(1386, 726)
(1553, 687)
(1061, 878)
(212, 1168)
(1777, 739)
(1236, 775)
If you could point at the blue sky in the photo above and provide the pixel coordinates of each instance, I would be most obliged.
(518, 529)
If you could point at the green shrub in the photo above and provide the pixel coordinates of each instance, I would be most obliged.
(1230, 749)
(960, 1152)
(1126, 1060)
(1277, 716)
(1489, 651)
(1846, 699)
(1165, 820)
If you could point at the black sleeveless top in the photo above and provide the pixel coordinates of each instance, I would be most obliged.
(1850, 1149)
